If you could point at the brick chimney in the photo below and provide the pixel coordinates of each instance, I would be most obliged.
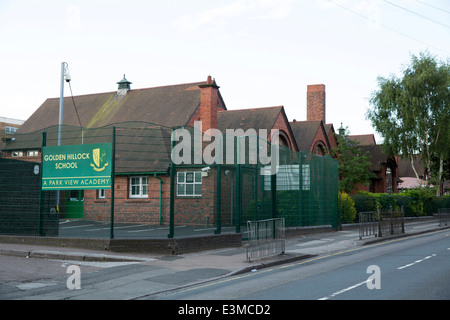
(209, 99)
(315, 103)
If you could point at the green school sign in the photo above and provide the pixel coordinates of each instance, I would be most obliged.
(85, 166)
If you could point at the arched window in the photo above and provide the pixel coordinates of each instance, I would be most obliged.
(319, 148)
(283, 140)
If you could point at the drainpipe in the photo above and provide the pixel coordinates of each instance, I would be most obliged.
(160, 197)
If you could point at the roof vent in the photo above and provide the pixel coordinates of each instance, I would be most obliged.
(124, 86)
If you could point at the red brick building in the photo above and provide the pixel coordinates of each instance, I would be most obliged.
(142, 179)
(143, 119)
(8, 127)
(385, 168)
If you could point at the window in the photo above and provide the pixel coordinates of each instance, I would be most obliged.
(139, 187)
(189, 184)
(101, 194)
(32, 153)
(10, 130)
(17, 154)
(76, 195)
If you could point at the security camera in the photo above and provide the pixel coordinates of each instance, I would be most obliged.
(206, 169)
(68, 77)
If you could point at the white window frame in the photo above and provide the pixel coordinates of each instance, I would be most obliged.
(17, 154)
(189, 184)
(10, 130)
(138, 187)
(32, 153)
(101, 193)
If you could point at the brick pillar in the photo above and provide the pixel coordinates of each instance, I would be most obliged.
(315, 103)
(209, 99)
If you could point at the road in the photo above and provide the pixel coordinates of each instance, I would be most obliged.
(416, 267)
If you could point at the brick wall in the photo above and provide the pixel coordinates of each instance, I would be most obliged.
(197, 210)
(127, 209)
(6, 122)
(190, 210)
(319, 139)
(162, 246)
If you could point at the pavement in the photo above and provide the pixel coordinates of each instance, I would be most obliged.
(145, 275)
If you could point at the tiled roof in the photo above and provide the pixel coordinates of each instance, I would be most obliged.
(406, 170)
(167, 106)
(256, 118)
(304, 133)
(378, 156)
(363, 139)
(150, 112)
(410, 183)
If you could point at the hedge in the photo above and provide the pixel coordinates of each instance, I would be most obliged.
(415, 202)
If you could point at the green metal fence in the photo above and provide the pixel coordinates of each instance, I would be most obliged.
(151, 196)
(304, 190)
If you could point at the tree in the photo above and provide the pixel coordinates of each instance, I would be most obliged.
(412, 113)
(353, 165)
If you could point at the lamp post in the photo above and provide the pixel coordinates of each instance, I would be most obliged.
(64, 75)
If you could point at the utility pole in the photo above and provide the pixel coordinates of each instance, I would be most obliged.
(64, 75)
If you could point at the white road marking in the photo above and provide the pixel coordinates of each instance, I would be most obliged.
(344, 290)
(86, 225)
(415, 262)
(33, 285)
(142, 230)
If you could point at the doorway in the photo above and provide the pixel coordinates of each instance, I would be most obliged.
(74, 204)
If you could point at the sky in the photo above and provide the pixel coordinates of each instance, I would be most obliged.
(262, 53)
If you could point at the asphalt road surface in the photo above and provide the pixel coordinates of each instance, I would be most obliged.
(414, 268)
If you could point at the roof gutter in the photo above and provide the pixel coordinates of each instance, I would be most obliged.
(141, 173)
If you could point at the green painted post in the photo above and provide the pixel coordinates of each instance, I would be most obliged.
(172, 194)
(322, 168)
(41, 197)
(273, 183)
(255, 191)
(113, 171)
(238, 198)
(219, 200)
(300, 188)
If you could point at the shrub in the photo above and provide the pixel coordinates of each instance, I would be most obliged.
(366, 201)
(415, 202)
(348, 210)
(421, 201)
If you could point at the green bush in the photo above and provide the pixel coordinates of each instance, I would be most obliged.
(348, 210)
(415, 202)
(366, 201)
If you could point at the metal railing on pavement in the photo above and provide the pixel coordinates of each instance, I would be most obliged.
(266, 238)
